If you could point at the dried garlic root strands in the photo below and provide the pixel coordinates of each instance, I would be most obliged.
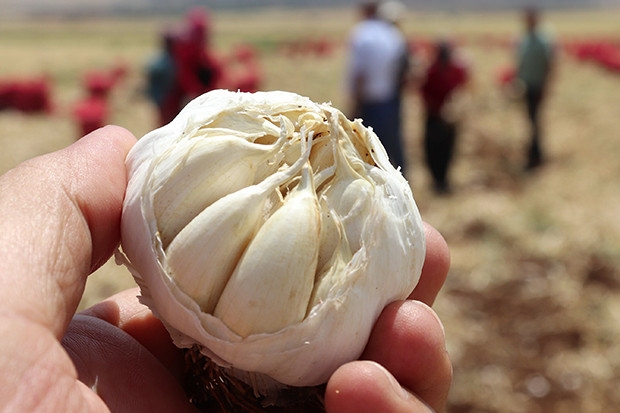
(268, 232)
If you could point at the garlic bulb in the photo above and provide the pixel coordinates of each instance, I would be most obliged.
(270, 231)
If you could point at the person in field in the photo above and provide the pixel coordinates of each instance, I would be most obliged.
(198, 68)
(445, 77)
(186, 67)
(535, 62)
(378, 59)
(161, 76)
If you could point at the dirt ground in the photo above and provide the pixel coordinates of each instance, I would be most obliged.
(532, 303)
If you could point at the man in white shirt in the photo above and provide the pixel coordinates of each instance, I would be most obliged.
(377, 64)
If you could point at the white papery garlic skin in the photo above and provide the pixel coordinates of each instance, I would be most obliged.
(270, 231)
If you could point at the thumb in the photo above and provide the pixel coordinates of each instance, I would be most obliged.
(61, 214)
(366, 386)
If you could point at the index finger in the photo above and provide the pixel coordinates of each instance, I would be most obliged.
(435, 269)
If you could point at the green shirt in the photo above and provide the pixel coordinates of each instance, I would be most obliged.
(535, 56)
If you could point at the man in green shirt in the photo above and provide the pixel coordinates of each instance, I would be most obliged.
(535, 62)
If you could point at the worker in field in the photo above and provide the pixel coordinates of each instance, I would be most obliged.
(378, 56)
(185, 68)
(445, 79)
(161, 75)
(198, 68)
(535, 62)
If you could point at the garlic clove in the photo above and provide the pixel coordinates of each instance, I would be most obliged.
(189, 187)
(348, 196)
(329, 275)
(271, 286)
(201, 260)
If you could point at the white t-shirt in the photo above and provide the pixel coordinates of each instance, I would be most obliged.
(377, 48)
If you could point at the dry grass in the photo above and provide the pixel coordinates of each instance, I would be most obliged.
(532, 304)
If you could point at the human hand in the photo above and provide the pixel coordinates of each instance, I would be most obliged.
(61, 217)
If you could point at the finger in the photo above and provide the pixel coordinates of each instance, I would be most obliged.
(409, 341)
(124, 311)
(35, 372)
(61, 215)
(435, 269)
(366, 386)
(120, 370)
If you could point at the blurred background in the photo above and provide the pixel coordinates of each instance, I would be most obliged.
(532, 303)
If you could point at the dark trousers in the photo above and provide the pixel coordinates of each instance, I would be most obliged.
(533, 99)
(439, 139)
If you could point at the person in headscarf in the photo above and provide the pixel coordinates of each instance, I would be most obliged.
(199, 70)
(186, 67)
